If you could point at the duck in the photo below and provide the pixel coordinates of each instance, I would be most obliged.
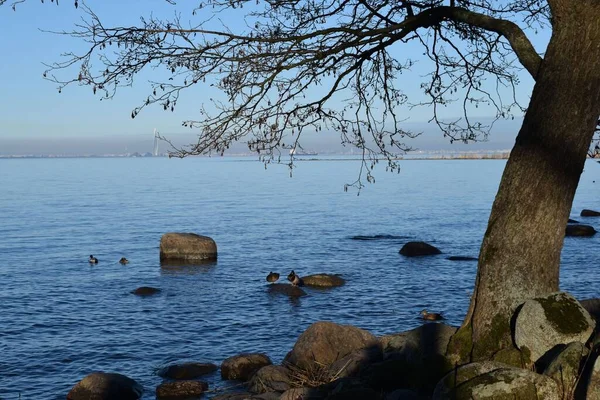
(93, 260)
(431, 316)
(272, 277)
(124, 261)
(295, 279)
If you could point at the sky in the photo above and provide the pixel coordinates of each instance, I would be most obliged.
(33, 115)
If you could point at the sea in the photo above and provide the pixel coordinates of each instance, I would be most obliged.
(62, 318)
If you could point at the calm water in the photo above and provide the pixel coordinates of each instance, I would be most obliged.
(61, 319)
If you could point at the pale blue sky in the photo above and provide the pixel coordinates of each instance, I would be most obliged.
(30, 107)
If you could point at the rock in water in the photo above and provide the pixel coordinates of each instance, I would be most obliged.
(106, 386)
(272, 378)
(287, 289)
(323, 280)
(180, 390)
(243, 366)
(145, 291)
(416, 249)
(187, 248)
(579, 230)
(545, 322)
(190, 370)
(590, 213)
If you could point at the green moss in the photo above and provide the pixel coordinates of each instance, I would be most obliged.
(564, 313)
(460, 346)
(510, 356)
(467, 389)
(498, 337)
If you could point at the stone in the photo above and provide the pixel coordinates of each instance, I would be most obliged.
(461, 258)
(572, 221)
(353, 363)
(565, 367)
(242, 366)
(323, 343)
(190, 370)
(180, 390)
(286, 289)
(545, 322)
(187, 248)
(417, 249)
(145, 291)
(323, 280)
(579, 230)
(592, 386)
(234, 396)
(106, 386)
(493, 380)
(303, 393)
(356, 394)
(402, 394)
(590, 213)
(592, 306)
(272, 378)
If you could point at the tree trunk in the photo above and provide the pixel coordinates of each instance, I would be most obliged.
(520, 253)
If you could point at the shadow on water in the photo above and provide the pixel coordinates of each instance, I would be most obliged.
(183, 268)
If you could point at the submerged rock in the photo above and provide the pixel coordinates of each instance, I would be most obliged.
(545, 322)
(323, 343)
(323, 280)
(572, 221)
(190, 370)
(180, 390)
(417, 249)
(461, 258)
(242, 366)
(187, 247)
(106, 386)
(145, 291)
(287, 289)
(579, 230)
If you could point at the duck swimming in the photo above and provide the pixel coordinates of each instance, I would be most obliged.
(295, 279)
(272, 277)
(93, 260)
(124, 261)
(431, 316)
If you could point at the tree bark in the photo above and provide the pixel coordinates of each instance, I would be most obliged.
(520, 253)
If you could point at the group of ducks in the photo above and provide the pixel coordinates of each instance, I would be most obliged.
(94, 260)
(297, 281)
(292, 277)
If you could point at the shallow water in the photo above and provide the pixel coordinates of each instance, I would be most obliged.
(62, 318)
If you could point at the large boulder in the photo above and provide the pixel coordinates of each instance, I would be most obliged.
(355, 362)
(242, 366)
(272, 378)
(106, 386)
(416, 249)
(414, 360)
(592, 306)
(323, 343)
(545, 322)
(187, 248)
(190, 370)
(180, 390)
(323, 280)
(493, 380)
(579, 230)
(303, 393)
(590, 213)
(566, 366)
(285, 289)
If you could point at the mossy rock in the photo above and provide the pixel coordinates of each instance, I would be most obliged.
(493, 380)
(566, 366)
(545, 322)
